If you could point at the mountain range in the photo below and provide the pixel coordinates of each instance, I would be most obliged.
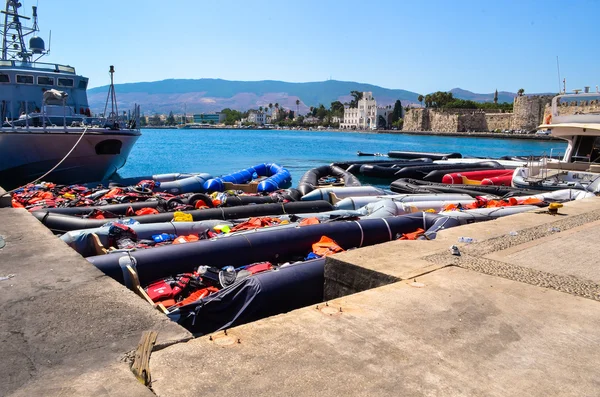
(211, 95)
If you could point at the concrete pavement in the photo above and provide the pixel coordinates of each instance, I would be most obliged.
(516, 314)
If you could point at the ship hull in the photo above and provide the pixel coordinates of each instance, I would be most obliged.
(26, 156)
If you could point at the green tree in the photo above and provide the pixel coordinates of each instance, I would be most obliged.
(321, 112)
(271, 107)
(357, 95)
(232, 116)
(337, 109)
(420, 99)
(143, 121)
(155, 120)
(260, 109)
(520, 92)
(496, 97)
(170, 119)
(297, 106)
(397, 113)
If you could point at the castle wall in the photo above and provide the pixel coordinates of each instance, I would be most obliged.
(528, 111)
(443, 121)
(498, 121)
(416, 120)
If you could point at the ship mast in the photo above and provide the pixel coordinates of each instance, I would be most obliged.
(13, 38)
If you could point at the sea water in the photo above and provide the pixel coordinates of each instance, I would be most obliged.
(222, 151)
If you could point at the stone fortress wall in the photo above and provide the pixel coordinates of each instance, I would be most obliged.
(528, 113)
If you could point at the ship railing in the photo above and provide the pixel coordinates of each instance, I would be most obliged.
(55, 67)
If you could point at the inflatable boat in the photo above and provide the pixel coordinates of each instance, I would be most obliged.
(83, 242)
(261, 295)
(413, 186)
(354, 203)
(326, 175)
(388, 171)
(467, 177)
(269, 244)
(341, 192)
(413, 155)
(59, 223)
(420, 172)
(277, 177)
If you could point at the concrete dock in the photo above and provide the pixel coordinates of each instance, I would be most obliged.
(516, 314)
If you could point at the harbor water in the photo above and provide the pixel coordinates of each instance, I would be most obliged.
(222, 151)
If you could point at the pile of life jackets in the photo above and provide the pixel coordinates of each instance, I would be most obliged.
(185, 288)
(482, 202)
(50, 195)
(122, 237)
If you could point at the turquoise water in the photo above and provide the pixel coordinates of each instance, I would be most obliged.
(219, 152)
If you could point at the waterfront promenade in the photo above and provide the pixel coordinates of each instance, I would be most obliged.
(515, 314)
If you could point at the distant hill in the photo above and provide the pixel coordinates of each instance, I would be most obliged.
(503, 96)
(209, 95)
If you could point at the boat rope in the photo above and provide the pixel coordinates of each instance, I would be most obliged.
(362, 234)
(53, 168)
(388, 227)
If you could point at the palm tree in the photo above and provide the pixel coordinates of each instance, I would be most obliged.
(298, 107)
(276, 105)
(271, 107)
(260, 108)
(420, 99)
(520, 92)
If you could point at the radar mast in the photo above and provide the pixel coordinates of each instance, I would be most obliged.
(14, 34)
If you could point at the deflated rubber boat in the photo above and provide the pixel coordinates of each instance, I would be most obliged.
(267, 244)
(326, 175)
(277, 178)
(60, 223)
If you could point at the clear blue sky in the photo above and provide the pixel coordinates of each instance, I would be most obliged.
(418, 46)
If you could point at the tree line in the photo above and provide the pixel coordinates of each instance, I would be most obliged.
(446, 100)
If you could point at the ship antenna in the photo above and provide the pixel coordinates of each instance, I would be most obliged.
(113, 117)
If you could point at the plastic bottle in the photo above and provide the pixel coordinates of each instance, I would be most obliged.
(125, 243)
(467, 240)
(159, 238)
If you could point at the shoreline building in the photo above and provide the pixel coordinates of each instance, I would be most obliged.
(207, 118)
(366, 115)
(258, 117)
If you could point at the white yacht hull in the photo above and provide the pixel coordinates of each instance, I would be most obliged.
(26, 156)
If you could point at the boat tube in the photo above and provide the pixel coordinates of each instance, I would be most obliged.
(59, 223)
(190, 184)
(82, 241)
(258, 296)
(310, 180)
(487, 214)
(413, 155)
(452, 178)
(355, 203)
(353, 167)
(505, 180)
(413, 186)
(420, 172)
(277, 178)
(270, 244)
(341, 192)
(388, 171)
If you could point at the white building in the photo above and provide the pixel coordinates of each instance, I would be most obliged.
(259, 118)
(366, 115)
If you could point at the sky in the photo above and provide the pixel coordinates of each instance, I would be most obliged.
(417, 46)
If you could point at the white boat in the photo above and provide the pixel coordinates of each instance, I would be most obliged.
(580, 165)
(46, 118)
